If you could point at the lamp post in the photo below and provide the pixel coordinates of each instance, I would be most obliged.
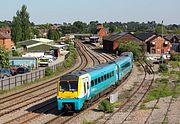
(162, 44)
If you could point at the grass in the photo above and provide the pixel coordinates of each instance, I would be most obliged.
(88, 122)
(162, 88)
(174, 64)
(165, 87)
(71, 61)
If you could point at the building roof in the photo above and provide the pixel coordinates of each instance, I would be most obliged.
(5, 35)
(27, 42)
(115, 36)
(146, 35)
(41, 47)
(169, 36)
(34, 41)
(178, 36)
(44, 40)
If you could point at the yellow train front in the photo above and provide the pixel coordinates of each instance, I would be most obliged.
(72, 93)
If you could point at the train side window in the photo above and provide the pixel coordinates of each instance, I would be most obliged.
(112, 73)
(102, 78)
(96, 81)
(125, 66)
(108, 76)
(105, 77)
(99, 80)
(92, 83)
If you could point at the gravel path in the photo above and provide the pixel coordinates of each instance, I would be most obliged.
(173, 115)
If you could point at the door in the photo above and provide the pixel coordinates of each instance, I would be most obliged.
(86, 86)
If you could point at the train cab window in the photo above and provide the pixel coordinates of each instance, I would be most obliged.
(68, 86)
(96, 82)
(92, 83)
(102, 78)
(99, 80)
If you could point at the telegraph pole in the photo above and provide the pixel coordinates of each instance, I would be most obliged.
(162, 44)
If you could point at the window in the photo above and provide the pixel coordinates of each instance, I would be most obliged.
(112, 73)
(92, 83)
(102, 78)
(96, 82)
(153, 50)
(68, 85)
(125, 66)
(108, 76)
(99, 80)
(84, 88)
(105, 77)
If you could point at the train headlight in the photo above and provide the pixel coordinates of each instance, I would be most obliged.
(59, 97)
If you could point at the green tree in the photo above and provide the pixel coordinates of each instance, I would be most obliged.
(21, 26)
(53, 34)
(133, 47)
(4, 57)
(92, 27)
(16, 28)
(80, 26)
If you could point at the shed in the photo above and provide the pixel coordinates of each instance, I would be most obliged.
(111, 42)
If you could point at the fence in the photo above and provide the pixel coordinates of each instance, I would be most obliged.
(17, 80)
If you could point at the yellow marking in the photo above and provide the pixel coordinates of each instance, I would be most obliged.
(68, 94)
(79, 86)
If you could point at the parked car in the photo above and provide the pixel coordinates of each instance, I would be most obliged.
(5, 73)
(13, 70)
(44, 62)
(22, 70)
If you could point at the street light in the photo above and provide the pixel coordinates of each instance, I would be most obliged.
(162, 43)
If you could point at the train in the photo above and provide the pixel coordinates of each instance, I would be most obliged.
(78, 90)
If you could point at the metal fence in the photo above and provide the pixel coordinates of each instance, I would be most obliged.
(17, 80)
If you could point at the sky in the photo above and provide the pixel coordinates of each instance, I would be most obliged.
(59, 11)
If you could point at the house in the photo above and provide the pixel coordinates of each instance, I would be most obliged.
(5, 40)
(156, 44)
(175, 42)
(111, 42)
(6, 30)
(101, 31)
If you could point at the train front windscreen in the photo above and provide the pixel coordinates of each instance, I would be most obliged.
(68, 86)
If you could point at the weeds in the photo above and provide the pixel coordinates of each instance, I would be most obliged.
(106, 107)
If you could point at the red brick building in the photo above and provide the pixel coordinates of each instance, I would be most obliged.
(101, 31)
(111, 42)
(156, 44)
(5, 40)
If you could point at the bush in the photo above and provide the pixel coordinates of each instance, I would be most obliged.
(175, 57)
(48, 71)
(15, 53)
(163, 68)
(106, 107)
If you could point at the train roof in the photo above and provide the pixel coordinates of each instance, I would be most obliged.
(76, 74)
(69, 77)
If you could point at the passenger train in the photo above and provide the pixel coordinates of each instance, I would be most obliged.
(79, 89)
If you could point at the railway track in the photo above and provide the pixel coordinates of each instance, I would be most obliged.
(21, 99)
(142, 89)
(105, 56)
(32, 115)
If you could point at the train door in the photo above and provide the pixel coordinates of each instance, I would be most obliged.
(86, 86)
(117, 72)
